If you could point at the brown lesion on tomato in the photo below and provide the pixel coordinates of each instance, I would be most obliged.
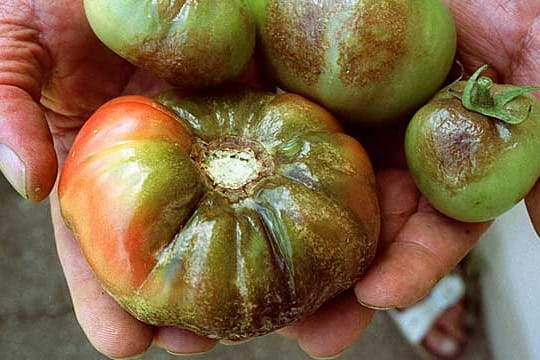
(377, 41)
(186, 65)
(295, 35)
(169, 9)
(463, 146)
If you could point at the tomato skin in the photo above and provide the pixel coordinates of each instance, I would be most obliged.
(369, 61)
(192, 44)
(472, 167)
(174, 249)
(119, 226)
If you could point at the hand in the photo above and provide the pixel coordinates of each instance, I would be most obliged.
(53, 74)
(418, 244)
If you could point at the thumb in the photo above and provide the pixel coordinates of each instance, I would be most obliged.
(533, 206)
(27, 156)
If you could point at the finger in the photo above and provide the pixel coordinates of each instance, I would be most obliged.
(441, 344)
(451, 321)
(110, 329)
(398, 199)
(142, 82)
(334, 327)
(533, 206)
(27, 156)
(291, 331)
(427, 248)
(182, 342)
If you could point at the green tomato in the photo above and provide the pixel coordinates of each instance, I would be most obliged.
(189, 43)
(473, 150)
(369, 61)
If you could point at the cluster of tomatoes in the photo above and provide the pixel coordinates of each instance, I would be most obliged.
(232, 211)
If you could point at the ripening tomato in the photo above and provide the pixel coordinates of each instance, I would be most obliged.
(231, 213)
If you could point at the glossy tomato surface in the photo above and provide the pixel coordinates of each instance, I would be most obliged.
(231, 213)
(369, 61)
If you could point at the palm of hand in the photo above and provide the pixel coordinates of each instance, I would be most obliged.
(54, 55)
(419, 245)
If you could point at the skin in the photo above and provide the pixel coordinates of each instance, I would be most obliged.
(58, 73)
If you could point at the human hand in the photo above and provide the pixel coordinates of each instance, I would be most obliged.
(53, 74)
(418, 245)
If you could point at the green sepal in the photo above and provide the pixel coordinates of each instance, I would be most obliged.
(477, 97)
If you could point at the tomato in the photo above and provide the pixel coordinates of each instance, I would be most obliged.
(369, 61)
(230, 213)
(189, 43)
(473, 150)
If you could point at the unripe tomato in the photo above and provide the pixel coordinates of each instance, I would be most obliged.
(191, 44)
(474, 149)
(369, 61)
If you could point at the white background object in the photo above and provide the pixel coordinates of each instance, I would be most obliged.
(511, 286)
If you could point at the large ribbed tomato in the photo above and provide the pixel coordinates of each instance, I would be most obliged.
(230, 214)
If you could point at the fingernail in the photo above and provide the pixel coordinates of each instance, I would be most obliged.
(327, 357)
(186, 354)
(375, 307)
(138, 356)
(233, 342)
(13, 169)
(448, 347)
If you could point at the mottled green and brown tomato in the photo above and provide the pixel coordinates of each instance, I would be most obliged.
(474, 151)
(370, 61)
(190, 43)
(229, 214)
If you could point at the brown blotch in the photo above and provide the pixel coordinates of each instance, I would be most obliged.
(376, 42)
(463, 145)
(296, 36)
(169, 9)
(185, 66)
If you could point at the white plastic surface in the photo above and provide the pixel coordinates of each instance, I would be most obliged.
(511, 286)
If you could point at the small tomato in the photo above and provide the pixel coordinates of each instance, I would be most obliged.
(473, 150)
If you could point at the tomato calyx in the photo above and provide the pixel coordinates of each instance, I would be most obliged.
(232, 165)
(478, 96)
